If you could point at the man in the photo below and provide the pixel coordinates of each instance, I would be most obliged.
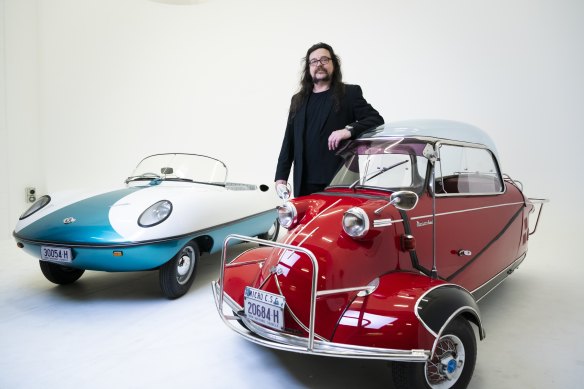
(322, 114)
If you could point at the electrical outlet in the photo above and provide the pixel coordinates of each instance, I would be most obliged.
(31, 194)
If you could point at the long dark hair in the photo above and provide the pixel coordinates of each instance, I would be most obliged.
(306, 84)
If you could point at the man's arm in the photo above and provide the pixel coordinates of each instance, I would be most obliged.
(366, 116)
(286, 157)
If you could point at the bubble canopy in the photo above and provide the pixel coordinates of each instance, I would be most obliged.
(433, 128)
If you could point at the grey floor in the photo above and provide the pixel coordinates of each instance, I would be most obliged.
(115, 330)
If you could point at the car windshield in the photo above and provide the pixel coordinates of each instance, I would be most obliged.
(383, 163)
(180, 167)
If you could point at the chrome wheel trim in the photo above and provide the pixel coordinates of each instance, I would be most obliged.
(185, 265)
(447, 364)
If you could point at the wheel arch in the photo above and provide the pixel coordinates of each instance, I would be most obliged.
(442, 304)
(204, 242)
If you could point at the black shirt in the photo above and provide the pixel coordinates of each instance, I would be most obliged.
(315, 141)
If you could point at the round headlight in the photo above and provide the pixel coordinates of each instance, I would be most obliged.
(355, 222)
(38, 205)
(287, 214)
(155, 214)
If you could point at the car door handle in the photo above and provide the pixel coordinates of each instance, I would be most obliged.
(464, 253)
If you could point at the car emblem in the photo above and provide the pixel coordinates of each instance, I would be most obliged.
(424, 223)
(69, 220)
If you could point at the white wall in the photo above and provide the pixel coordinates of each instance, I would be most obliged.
(4, 192)
(21, 161)
(92, 86)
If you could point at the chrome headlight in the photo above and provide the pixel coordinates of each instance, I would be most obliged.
(38, 205)
(287, 214)
(155, 214)
(355, 222)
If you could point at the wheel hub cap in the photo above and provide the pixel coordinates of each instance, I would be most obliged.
(184, 265)
(446, 366)
(449, 366)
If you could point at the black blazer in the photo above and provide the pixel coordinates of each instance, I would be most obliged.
(354, 110)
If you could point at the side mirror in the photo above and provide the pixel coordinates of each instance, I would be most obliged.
(166, 170)
(283, 191)
(403, 200)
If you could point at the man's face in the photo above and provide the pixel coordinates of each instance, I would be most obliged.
(318, 71)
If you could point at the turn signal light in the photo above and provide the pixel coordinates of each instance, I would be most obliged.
(408, 242)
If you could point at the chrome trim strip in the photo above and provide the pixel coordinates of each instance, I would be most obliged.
(427, 138)
(514, 265)
(541, 202)
(465, 194)
(450, 318)
(418, 304)
(329, 292)
(389, 222)
(434, 288)
(238, 264)
(385, 222)
(466, 210)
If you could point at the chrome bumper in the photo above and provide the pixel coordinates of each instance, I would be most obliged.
(304, 345)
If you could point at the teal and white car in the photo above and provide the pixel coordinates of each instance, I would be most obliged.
(173, 208)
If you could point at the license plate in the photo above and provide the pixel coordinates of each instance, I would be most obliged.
(264, 307)
(56, 254)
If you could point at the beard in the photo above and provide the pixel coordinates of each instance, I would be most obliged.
(320, 77)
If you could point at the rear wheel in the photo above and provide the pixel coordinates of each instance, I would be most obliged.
(451, 365)
(59, 274)
(177, 275)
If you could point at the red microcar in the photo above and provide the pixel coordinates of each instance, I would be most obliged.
(390, 260)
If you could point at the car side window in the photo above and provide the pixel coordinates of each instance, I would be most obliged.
(467, 170)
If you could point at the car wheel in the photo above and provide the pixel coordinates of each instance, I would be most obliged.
(272, 233)
(177, 275)
(58, 274)
(451, 365)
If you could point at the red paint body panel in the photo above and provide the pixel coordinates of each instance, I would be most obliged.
(343, 262)
(386, 318)
(480, 238)
(463, 223)
(478, 224)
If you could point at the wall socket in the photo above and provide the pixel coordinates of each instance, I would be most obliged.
(31, 194)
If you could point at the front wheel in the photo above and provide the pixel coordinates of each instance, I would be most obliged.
(272, 233)
(177, 275)
(58, 274)
(451, 365)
